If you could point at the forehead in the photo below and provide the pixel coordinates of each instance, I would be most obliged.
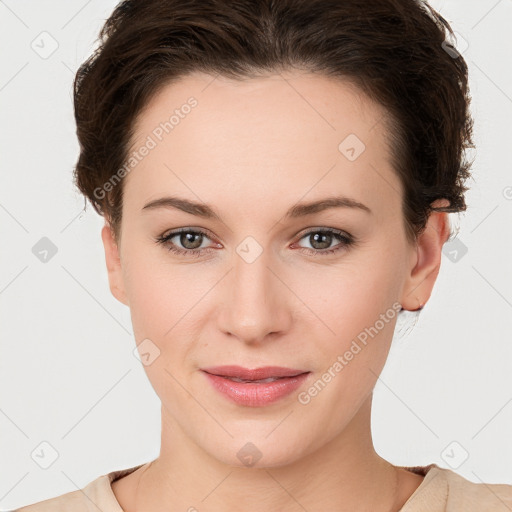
(293, 132)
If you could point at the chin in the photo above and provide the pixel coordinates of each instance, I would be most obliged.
(257, 452)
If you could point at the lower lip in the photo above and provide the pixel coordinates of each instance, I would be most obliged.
(256, 395)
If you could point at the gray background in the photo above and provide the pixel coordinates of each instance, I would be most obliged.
(75, 401)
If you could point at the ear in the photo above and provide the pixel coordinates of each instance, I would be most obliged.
(426, 262)
(113, 261)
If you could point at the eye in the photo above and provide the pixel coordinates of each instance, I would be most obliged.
(190, 239)
(322, 238)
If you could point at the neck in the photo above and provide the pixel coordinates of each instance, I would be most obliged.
(346, 474)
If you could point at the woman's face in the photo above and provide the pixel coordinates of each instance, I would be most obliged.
(264, 290)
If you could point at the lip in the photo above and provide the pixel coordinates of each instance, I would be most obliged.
(253, 394)
(255, 374)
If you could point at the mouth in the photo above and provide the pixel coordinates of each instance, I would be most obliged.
(255, 388)
(257, 375)
(257, 381)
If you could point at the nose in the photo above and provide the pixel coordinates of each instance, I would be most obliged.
(257, 301)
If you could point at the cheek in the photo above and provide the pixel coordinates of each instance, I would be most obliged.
(358, 310)
(351, 359)
(158, 307)
(363, 330)
(167, 307)
(152, 293)
(351, 296)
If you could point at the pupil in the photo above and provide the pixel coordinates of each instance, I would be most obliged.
(324, 244)
(186, 238)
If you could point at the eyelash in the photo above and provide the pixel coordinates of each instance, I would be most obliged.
(347, 240)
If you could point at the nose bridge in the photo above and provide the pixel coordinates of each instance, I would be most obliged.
(255, 304)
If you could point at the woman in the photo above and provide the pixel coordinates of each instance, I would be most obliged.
(275, 179)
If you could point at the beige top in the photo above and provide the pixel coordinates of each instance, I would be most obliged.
(442, 490)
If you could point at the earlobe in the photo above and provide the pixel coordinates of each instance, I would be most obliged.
(113, 262)
(428, 254)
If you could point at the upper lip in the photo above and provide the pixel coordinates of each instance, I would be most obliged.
(255, 374)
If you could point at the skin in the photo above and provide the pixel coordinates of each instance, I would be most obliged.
(252, 149)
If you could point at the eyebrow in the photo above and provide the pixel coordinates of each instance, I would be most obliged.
(299, 210)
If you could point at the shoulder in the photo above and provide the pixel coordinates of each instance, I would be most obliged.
(74, 501)
(69, 501)
(477, 496)
(443, 489)
(96, 495)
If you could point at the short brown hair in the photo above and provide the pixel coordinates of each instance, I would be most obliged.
(395, 51)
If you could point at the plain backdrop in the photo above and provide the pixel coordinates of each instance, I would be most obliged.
(75, 402)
